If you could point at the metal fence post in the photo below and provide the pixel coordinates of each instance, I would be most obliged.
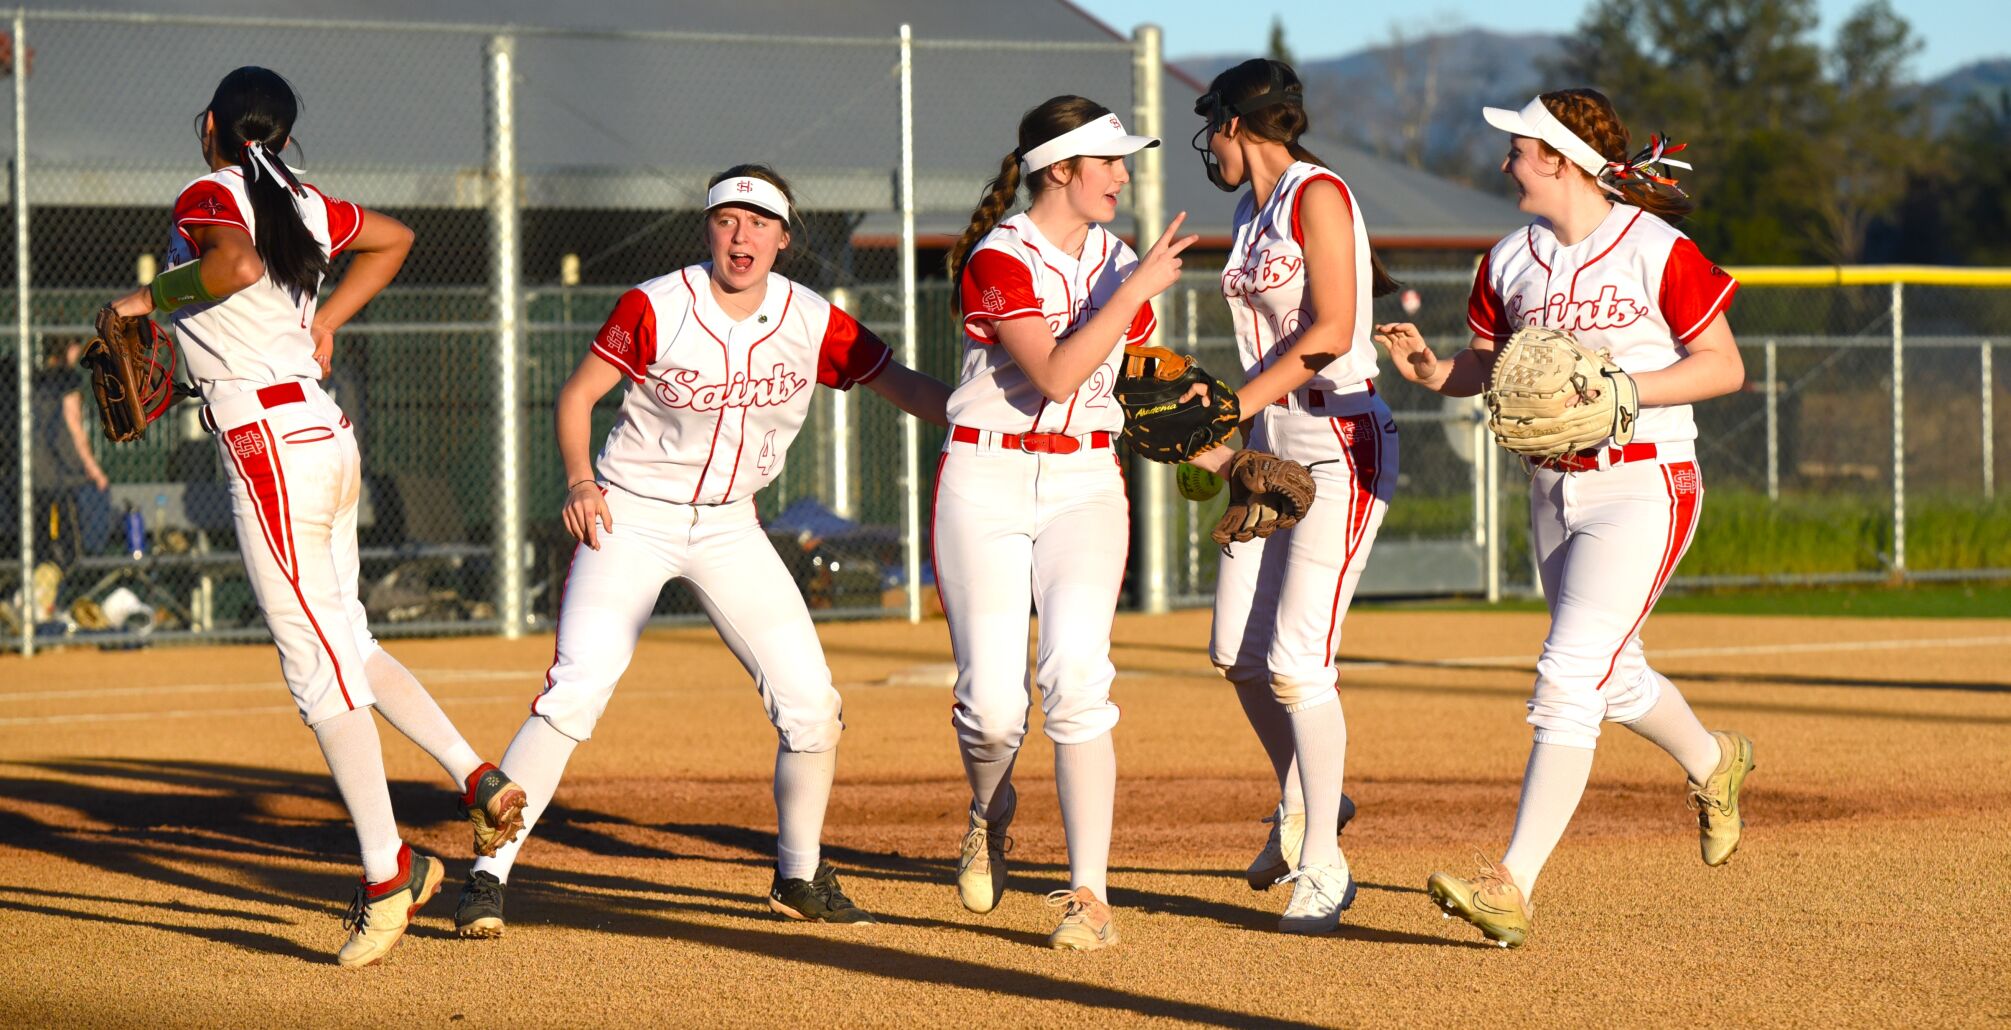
(1773, 423)
(1148, 208)
(1989, 425)
(911, 430)
(1898, 429)
(841, 431)
(1191, 524)
(24, 360)
(504, 280)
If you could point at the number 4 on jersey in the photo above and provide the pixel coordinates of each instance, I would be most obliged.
(768, 455)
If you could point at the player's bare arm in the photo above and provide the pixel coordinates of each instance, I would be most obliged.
(380, 247)
(1711, 368)
(1330, 286)
(917, 393)
(1058, 368)
(584, 504)
(1464, 375)
(230, 262)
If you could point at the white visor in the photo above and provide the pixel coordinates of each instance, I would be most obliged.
(1103, 136)
(1536, 122)
(753, 192)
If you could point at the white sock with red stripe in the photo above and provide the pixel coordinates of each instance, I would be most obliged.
(1320, 737)
(1085, 775)
(356, 759)
(1274, 732)
(802, 792)
(407, 706)
(1671, 726)
(1551, 786)
(536, 759)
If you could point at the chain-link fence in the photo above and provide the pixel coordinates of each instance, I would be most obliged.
(545, 171)
(1814, 474)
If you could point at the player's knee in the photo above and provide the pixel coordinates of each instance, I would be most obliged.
(810, 724)
(1627, 702)
(1243, 675)
(1298, 692)
(1077, 717)
(1561, 718)
(989, 734)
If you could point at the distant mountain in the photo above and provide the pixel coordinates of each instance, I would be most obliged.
(1373, 98)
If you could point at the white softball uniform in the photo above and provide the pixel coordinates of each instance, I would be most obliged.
(1608, 524)
(1279, 601)
(710, 411)
(1030, 501)
(288, 450)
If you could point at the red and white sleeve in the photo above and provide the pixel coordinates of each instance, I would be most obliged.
(345, 220)
(1694, 291)
(206, 202)
(628, 339)
(1484, 312)
(1142, 325)
(996, 288)
(850, 354)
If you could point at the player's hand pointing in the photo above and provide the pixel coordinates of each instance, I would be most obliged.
(1160, 267)
(584, 505)
(1408, 351)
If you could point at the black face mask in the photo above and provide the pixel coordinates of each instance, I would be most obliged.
(1219, 112)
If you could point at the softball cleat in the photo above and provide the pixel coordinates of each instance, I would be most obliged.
(1719, 823)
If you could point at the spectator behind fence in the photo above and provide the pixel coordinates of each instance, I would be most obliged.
(72, 513)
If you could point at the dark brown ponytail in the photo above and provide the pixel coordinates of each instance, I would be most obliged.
(1284, 123)
(1053, 117)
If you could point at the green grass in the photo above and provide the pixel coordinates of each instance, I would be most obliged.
(1973, 600)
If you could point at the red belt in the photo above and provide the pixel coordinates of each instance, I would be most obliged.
(1588, 460)
(272, 396)
(1318, 398)
(1035, 443)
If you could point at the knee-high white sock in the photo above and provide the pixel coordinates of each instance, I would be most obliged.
(1320, 736)
(1274, 731)
(1671, 726)
(406, 705)
(356, 760)
(536, 759)
(1551, 786)
(1085, 775)
(990, 776)
(802, 790)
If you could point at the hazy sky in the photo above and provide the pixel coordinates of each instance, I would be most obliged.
(1956, 31)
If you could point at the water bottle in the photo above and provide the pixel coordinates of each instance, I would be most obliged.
(136, 533)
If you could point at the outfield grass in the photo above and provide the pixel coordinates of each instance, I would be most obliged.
(1979, 600)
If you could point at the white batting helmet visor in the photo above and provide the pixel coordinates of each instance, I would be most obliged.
(750, 191)
(1536, 122)
(1102, 136)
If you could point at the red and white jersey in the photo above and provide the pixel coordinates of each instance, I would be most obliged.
(260, 333)
(1636, 288)
(712, 403)
(1014, 272)
(1265, 283)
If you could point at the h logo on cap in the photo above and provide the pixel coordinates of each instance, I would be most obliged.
(743, 186)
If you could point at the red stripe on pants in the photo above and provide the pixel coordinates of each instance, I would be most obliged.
(1681, 482)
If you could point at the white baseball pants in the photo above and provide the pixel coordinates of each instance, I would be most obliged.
(1606, 542)
(1012, 527)
(722, 553)
(295, 479)
(1279, 601)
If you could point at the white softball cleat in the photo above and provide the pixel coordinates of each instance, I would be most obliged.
(1319, 894)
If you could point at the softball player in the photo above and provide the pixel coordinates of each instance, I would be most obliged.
(1608, 524)
(1299, 283)
(1030, 505)
(720, 358)
(250, 246)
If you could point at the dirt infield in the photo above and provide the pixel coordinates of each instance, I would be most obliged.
(171, 851)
